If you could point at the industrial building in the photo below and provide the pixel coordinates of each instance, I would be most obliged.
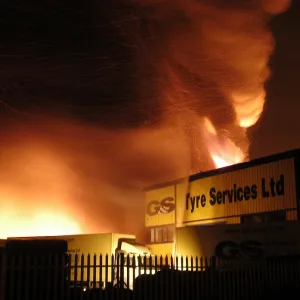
(264, 190)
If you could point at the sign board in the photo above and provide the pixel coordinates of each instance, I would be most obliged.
(160, 206)
(260, 188)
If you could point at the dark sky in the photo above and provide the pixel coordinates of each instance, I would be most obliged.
(279, 127)
(38, 73)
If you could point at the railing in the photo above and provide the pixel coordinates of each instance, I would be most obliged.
(61, 277)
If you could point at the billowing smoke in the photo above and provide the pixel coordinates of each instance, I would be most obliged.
(102, 99)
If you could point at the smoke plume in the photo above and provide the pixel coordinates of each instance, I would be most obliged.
(103, 98)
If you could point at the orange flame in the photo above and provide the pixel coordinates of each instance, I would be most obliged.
(222, 150)
(46, 188)
(39, 224)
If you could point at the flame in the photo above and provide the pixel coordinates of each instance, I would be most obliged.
(34, 194)
(222, 150)
(39, 224)
(248, 107)
(200, 65)
(52, 184)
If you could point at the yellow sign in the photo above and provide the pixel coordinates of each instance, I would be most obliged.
(160, 206)
(260, 188)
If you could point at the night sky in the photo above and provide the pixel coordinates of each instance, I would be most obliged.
(279, 127)
(53, 61)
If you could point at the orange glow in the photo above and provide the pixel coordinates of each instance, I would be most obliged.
(59, 179)
(222, 150)
(198, 84)
(248, 107)
(37, 187)
(40, 224)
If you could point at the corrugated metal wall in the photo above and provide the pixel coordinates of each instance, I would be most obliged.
(153, 217)
(255, 191)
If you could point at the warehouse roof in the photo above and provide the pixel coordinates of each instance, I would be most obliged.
(232, 168)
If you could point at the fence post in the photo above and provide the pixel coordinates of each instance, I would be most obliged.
(122, 264)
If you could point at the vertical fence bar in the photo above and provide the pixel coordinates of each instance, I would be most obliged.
(106, 270)
(151, 286)
(68, 268)
(82, 277)
(160, 283)
(94, 271)
(139, 264)
(156, 292)
(136, 293)
(122, 277)
(177, 281)
(134, 266)
(75, 284)
(106, 274)
(181, 280)
(172, 279)
(117, 280)
(128, 279)
(186, 283)
(113, 264)
(144, 265)
(88, 273)
(166, 285)
(101, 282)
(197, 277)
(192, 279)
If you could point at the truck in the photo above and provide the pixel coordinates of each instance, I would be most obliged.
(95, 260)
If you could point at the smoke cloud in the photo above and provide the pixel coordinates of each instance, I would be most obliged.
(103, 99)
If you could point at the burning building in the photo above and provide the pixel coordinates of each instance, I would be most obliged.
(101, 91)
(263, 191)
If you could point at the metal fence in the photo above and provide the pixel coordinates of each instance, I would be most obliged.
(62, 277)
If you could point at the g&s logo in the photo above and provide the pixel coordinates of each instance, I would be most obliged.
(164, 206)
(230, 250)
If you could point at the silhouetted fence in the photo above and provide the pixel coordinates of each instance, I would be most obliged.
(39, 276)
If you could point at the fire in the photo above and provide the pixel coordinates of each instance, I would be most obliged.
(222, 150)
(35, 191)
(199, 76)
(248, 107)
(39, 224)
